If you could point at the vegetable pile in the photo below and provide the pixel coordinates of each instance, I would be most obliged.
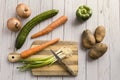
(14, 24)
(89, 40)
(31, 24)
(92, 42)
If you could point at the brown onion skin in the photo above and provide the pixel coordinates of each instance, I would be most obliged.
(14, 24)
(23, 10)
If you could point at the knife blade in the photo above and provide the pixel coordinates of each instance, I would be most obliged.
(65, 66)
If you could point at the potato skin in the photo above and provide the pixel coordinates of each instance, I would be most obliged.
(98, 50)
(88, 39)
(99, 33)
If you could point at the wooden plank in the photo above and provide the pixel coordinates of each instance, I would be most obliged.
(56, 69)
(107, 39)
(8, 39)
(114, 39)
(1, 30)
(69, 28)
(92, 23)
(72, 31)
(103, 19)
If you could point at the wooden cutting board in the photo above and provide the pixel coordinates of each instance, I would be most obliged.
(56, 69)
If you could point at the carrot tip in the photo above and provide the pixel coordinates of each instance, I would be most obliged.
(32, 37)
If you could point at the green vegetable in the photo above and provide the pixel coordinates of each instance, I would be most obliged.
(29, 25)
(36, 62)
(83, 13)
(31, 63)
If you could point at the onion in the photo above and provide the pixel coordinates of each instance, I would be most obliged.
(14, 24)
(23, 10)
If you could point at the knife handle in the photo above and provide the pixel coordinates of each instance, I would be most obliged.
(68, 69)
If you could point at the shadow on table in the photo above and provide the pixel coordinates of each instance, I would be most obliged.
(77, 22)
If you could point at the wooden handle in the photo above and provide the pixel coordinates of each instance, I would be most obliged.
(14, 57)
(68, 69)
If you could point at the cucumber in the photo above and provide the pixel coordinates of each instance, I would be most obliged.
(31, 24)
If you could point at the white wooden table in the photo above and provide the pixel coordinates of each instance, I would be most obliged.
(105, 12)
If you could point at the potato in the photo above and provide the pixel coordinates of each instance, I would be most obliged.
(88, 39)
(99, 33)
(98, 50)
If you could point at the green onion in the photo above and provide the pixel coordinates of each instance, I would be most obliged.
(31, 63)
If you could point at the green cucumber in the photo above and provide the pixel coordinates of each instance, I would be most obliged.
(31, 24)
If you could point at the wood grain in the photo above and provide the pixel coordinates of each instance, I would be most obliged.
(105, 12)
(56, 69)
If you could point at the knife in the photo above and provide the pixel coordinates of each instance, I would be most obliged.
(65, 66)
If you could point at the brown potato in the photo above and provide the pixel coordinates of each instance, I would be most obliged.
(99, 33)
(98, 50)
(88, 39)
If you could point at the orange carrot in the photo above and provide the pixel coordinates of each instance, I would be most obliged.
(34, 50)
(50, 27)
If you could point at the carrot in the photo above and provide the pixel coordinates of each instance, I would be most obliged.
(50, 27)
(34, 50)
